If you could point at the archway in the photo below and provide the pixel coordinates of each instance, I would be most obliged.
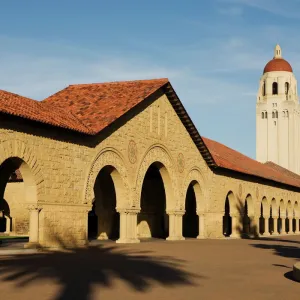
(247, 215)
(14, 194)
(281, 220)
(263, 220)
(296, 218)
(190, 218)
(103, 219)
(289, 217)
(273, 213)
(153, 220)
(227, 218)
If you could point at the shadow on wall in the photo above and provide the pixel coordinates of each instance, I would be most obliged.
(246, 228)
(77, 269)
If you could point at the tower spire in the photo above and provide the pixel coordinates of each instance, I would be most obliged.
(277, 51)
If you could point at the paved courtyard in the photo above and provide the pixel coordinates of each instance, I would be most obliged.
(192, 269)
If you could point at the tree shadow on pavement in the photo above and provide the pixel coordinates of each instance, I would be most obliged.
(77, 269)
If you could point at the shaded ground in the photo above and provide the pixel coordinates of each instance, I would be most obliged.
(191, 269)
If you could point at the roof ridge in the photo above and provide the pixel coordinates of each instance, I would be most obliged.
(120, 81)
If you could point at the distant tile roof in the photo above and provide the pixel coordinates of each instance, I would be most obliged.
(17, 105)
(228, 158)
(97, 105)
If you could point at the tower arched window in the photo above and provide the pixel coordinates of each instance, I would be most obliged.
(264, 89)
(286, 87)
(262, 115)
(276, 114)
(275, 88)
(266, 115)
(273, 114)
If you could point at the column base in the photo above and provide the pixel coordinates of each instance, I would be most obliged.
(32, 245)
(175, 238)
(128, 241)
(201, 237)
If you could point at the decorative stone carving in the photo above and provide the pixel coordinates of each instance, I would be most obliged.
(107, 158)
(180, 162)
(132, 151)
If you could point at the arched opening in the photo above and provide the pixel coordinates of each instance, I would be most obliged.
(289, 217)
(264, 89)
(227, 219)
(296, 216)
(280, 216)
(153, 220)
(263, 220)
(190, 218)
(273, 213)
(262, 115)
(275, 88)
(14, 194)
(266, 115)
(103, 219)
(286, 87)
(276, 114)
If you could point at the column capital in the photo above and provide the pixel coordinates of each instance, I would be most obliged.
(128, 210)
(175, 212)
(32, 207)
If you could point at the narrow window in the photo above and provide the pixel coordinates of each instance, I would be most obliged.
(264, 89)
(286, 87)
(262, 115)
(266, 115)
(276, 114)
(273, 114)
(287, 114)
(275, 88)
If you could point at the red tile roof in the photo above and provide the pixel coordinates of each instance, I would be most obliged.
(228, 158)
(97, 105)
(17, 105)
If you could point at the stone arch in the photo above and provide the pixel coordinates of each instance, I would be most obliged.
(229, 212)
(274, 207)
(194, 178)
(159, 156)
(296, 209)
(250, 205)
(24, 155)
(246, 215)
(109, 158)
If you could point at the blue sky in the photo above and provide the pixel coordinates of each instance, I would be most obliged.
(213, 52)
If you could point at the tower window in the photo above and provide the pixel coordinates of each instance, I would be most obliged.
(275, 114)
(262, 115)
(266, 115)
(264, 89)
(286, 87)
(275, 88)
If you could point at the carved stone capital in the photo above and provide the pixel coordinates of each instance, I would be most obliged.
(32, 207)
(128, 210)
(175, 212)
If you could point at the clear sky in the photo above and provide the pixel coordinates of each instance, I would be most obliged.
(213, 51)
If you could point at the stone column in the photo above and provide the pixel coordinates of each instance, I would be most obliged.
(128, 226)
(234, 226)
(8, 225)
(175, 225)
(291, 225)
(33, 226)
(201, 217)
(275, 221)
(267, 230)
(254, 226)
(297, 225)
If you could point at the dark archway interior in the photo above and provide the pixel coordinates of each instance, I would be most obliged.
(287, 223)
(261, 220)
(279, 222)
(153, 204)
(227, 223)
(246, 220)
(8, 170)
(190, 218)
(103, 219)
(271, 221)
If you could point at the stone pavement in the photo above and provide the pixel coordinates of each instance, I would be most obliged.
(192, 269)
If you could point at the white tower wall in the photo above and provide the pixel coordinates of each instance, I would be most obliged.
(278, 119)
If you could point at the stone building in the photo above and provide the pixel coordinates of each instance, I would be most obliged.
(124, 161)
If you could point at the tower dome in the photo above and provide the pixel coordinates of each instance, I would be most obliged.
(278, 63)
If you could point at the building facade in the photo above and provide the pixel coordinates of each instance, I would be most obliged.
(124, 161)
(278, 115)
